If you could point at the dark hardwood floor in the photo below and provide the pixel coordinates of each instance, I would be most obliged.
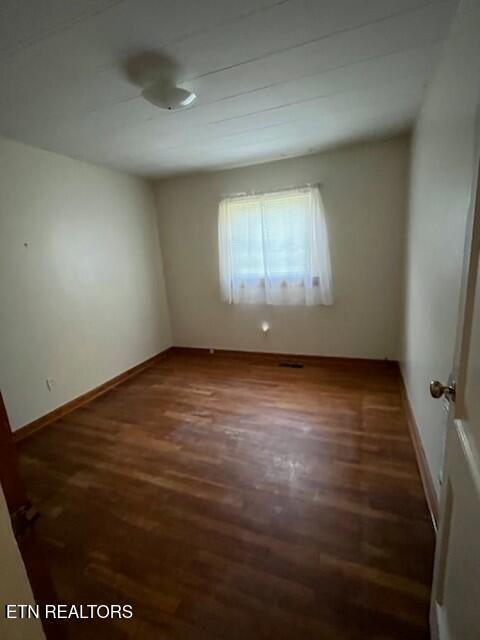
(226, 498)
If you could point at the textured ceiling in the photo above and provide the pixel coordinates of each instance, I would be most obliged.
(274, 78)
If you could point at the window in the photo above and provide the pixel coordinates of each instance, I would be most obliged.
(274, 250)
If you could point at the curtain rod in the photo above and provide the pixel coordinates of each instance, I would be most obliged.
(305, 185)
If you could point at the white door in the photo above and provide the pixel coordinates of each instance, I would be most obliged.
(455, 611)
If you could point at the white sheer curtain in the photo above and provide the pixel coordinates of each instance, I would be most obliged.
(273, 249)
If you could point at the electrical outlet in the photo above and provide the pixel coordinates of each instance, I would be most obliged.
(50, 383)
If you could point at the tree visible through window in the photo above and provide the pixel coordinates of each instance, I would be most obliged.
(273, 249)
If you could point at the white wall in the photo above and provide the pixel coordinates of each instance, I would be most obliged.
(364, 190)
(441, 187)
(16, 589)
(81, 287)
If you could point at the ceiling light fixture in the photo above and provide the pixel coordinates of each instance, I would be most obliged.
(166, 95)
(157, 74)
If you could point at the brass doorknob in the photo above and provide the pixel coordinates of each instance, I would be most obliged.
(437, 390)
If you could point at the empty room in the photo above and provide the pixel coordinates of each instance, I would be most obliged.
(240, 320)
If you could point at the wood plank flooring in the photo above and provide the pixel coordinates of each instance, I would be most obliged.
(226, 497)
